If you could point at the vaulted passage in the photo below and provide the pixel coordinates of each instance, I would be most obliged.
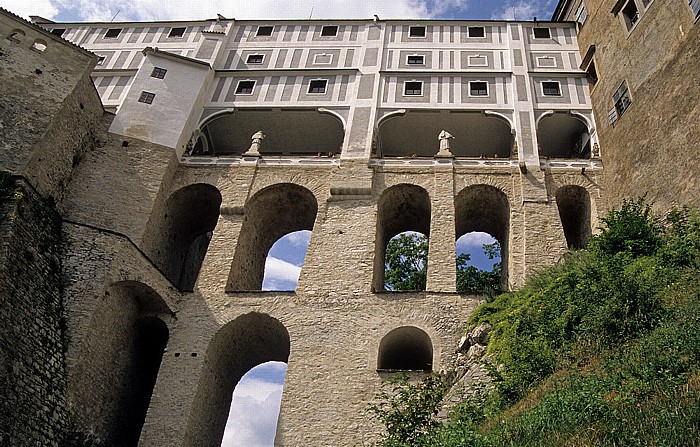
(178, 238)
(485, 208)
(406, 348)
(416, 133)
(270, 214)
(287, 132)
(561, 135)
(120, 362)
(240, 345)
(400, 208)
(574, 205)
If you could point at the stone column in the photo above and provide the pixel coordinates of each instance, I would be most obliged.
(442, 252)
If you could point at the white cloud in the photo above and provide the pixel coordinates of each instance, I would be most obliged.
(252, 420)
(280, 275)
(523, 10)
(474, 240)
(298, 238)
(25, 8)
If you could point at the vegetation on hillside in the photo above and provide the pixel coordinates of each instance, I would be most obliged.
(602, 349)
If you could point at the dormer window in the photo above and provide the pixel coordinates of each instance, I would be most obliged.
(255, 59)
(416, 31)
(264, 31)
(415, 59)
(542, 33)
(329, 31)
(113, 33)
(476, 31)
(177, 32)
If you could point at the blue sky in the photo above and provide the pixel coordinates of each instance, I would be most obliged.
(255, 407)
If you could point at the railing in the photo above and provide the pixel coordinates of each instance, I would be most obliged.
(575, 163)
(264, 160)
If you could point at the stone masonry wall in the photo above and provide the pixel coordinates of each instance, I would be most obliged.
(32, 374)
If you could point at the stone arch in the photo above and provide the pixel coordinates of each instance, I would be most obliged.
(247, 341)
(269, 214)
(406, 348)
(16, 35)
(402, 207)
(119, 362)
(39, 45)
(563, 135)
(178, 238)
(485, 208)
(574, 204)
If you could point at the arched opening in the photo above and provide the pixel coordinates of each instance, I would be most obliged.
(406, 262)
(247, 341)
(120, 361)
(476, 134)
(39, 45)
(406, 348)
(284, 261)
(574, 204)
(478, 263)
(179, 237)
(485, 208)
(252, 419)
(270, 214)
(287, 132)
(400, 208)
(16, 35)
(562, 135)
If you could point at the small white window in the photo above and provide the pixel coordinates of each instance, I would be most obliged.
(245, 87)
(546, 62)
(581, 14)
(318, 86)
(113, 33)
(478, 88)
(413, 88)
(329, 31)
(255, 59)
(542, 33)
(264, 31)
(415, 59)
(416, 31)
(476, 31)
(177, 32)
(551, 88)
(323, 59)
(478, 60)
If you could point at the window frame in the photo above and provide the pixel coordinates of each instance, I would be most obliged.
(483, 32)
(630, 22)
(624, 101)
(477, 95)
(484, 56)
(158, 73)
(325, 27)
(545, 89)
(101, 60)
(694, 6)
(539, 65)
(417, 27)
(146, 97)
(242, 90)
(316, 62)
(310, 91)
(107, 34)
(180, 35)
(406, 90)
(265, 27)
(540, 28)
(249, 62)
(409, 56)
(581, 14)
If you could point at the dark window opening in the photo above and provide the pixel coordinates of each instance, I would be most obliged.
(416, 31)
(245, 87)
(113, 33)
(158, 73)
(476, 31)
(551, 88)
(329, 31)
(542, 33)
(318, 86)
(622, 99)
(58, 31)
(264, 31)
(413, 88)
(592, 73)
(177, 32)
(255, 59)
(415, 60)
(100, 60)
(630, 14)
(478, 88)
(147, 97)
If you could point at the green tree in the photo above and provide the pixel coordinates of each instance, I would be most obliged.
(406, 262)
(472, 280)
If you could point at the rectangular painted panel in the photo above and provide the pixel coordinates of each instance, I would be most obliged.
(218, 89)
(288, 32)
(281, 58)
(349, 57)
(206, 49)
(272, 88)
(371, 55)
(136, 61)
(150, 35)
(517, 58)
(134, 37)
(521, 87)
(119, 88)
(366, 87)
(288, 88)
(359, 129)
(342, 91)
(296, 58)
(121, 59)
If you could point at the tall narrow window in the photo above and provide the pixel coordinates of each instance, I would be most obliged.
(630, 14)
(622, 99)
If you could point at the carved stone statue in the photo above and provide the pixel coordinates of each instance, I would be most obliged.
(596, 151)
(444, 139)
(254, 150)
